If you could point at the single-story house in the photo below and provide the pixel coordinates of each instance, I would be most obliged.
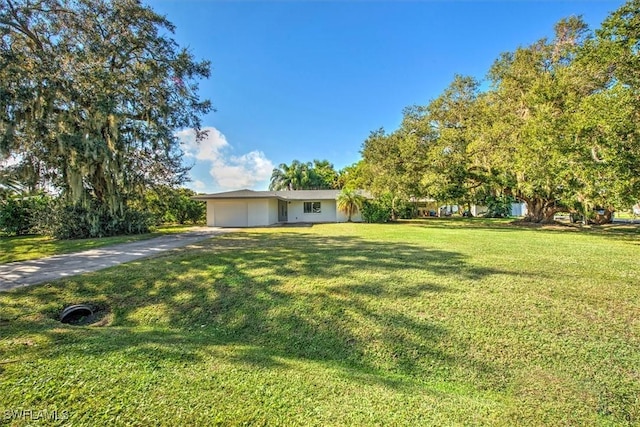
(249, 208)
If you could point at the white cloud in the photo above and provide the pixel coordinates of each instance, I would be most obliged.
(228, 171)
(242, 172)
(199, 185)
(210, 148)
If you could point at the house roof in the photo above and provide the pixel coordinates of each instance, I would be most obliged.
(238, 194)
(309, 194)
(282, 195)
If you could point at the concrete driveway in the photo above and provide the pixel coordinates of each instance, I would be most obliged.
(25, 273)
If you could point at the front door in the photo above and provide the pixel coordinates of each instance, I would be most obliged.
(282, 211)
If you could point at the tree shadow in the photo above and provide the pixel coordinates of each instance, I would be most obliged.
(342, 301)
(626, 232)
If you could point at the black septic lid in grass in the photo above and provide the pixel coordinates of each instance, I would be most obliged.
(74, 313)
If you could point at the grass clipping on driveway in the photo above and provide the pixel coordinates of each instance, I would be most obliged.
(341, 324)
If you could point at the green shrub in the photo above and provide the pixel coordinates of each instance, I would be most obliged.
(79, 222)
(172, 205)
(14, 216)
(405, 209)
(498, 206)
(375, 211)
(187, 210)
(382, 208)
(19, 214)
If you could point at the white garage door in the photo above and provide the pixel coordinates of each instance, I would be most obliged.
(230, 214)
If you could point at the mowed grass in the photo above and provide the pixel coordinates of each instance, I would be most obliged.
(23, 248)
(422, 323)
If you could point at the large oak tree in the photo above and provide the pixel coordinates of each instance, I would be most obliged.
(558, 128)
(91, 92)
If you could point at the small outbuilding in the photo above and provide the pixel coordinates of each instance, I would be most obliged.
(249, 208)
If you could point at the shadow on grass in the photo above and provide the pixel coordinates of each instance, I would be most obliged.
(618, 231)
(342, 301)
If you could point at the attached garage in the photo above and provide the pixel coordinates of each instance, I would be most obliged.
(241, 212)
(227, 213)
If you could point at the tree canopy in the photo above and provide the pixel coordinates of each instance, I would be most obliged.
(557, 128)
(91, 92)
(316, 175)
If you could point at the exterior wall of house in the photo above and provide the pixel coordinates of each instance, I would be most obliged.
(262, 212)
(258, 212)
(342, 217)
(211, 221)
(272, 207)
(327, 212)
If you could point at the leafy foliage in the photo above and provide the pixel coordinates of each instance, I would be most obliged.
(498, 206)
(170, 205)
(353, 176)
(80, 221)
(374, 211)
(92, 91)
(20, 213)
(393, 161)
(9, 184)
(387, 207)
(452, 174)
(350, 202)
(558, 128)
(318, 175)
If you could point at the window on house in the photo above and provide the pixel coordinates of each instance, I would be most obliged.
(312, 207)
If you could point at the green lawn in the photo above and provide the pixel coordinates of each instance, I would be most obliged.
(23, 248)
(625, 215)
(430, 322)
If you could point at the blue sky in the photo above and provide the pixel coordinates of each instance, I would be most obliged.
(310, 79)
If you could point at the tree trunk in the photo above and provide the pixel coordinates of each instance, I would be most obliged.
(603, 216)
(540, 211)
(393, 209)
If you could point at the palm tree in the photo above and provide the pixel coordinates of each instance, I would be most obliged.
(349, 202)
(291, 177)
(9, 184)
(280, 179)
